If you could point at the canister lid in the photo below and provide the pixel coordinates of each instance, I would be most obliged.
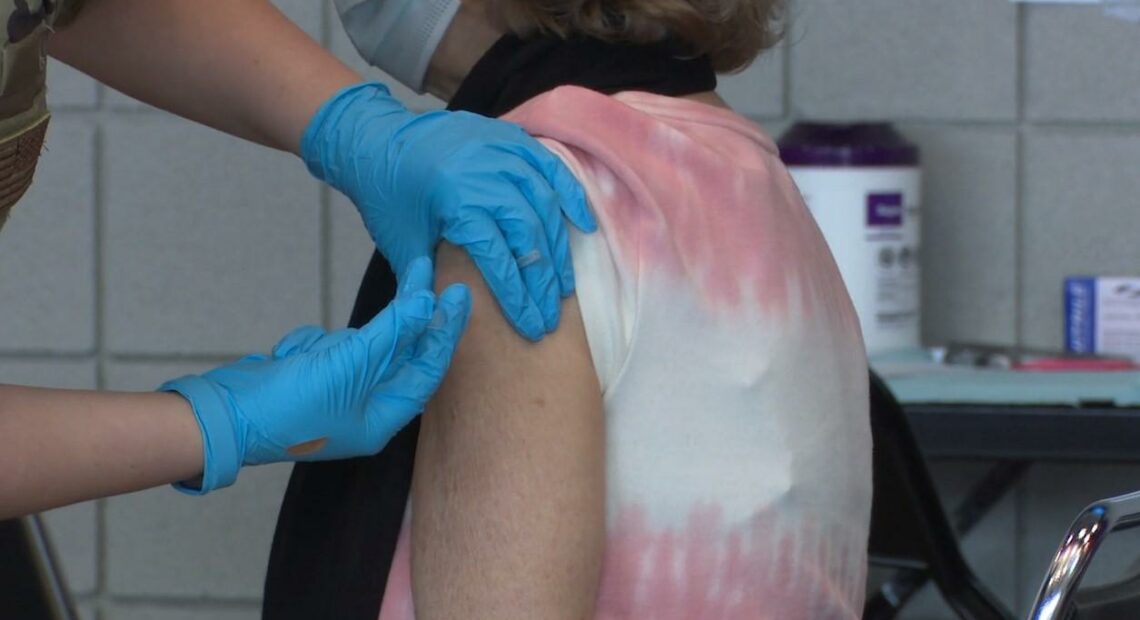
(846, 144)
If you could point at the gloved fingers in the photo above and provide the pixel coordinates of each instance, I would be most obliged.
(538, 192)
(389, 334)
(571, 195)
(427, 366)
(397, 401)
(417, 277)
(420, 375)
(415, 302)
(310, 339)
(413, 307)
(298, 341)
(337, 131)
(415, 283)
(453, 302)
(483, 240)
(525, 235)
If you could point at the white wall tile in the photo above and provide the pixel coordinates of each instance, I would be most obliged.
(163, 543)
(47, 249)
(924, 59)
(757, 92)
(74, 537)
(76, 374)
(1081, 217)
(67, 88)
(351, 250)
(969, 233)
(211, 244)
(1081, 65)
(87, 611)
(146, 376)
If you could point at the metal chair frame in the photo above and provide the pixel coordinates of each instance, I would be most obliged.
(1058, 598)
(33, 584)
(910, 529)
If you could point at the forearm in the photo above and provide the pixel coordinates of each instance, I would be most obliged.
(240, 66)
(65, 446)
(508, 505)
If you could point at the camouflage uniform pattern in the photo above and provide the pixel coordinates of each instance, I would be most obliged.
(23, 108)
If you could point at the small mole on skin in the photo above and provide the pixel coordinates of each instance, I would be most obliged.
(539, 402)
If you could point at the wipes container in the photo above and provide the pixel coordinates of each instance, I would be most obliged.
(862, 183)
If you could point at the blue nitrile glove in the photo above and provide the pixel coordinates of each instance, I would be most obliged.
(328, 396)
(479, 183)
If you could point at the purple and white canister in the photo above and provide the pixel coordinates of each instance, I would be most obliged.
(862, 182)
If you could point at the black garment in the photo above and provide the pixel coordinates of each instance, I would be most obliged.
(514, 71)
(339, 521)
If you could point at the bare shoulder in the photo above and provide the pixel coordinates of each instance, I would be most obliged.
(491, 339)
(509, 477)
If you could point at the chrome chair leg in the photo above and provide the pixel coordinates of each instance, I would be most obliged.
(1081, 542)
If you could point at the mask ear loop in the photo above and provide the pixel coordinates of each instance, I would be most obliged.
(1127, 10)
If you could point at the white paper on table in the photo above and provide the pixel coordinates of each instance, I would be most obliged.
(1127, 10)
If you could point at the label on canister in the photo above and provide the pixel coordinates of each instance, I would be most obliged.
(870, 218)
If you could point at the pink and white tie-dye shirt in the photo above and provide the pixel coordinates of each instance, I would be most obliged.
(738, 447)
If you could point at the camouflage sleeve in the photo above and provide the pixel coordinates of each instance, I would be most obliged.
(21, 18)
(23, 108)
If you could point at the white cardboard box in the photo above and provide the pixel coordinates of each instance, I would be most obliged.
(1102, 315)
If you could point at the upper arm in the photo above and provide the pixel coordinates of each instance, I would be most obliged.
(508, 492)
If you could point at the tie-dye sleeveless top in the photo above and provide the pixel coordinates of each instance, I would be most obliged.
(735, 384)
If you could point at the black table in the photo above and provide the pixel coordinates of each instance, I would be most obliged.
(1089, 432)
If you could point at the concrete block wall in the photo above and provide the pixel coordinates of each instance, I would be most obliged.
(151, 247)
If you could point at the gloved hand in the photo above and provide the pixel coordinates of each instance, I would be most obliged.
(479, 183)
(328, 396)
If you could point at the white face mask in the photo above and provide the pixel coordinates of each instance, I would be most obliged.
(398, 36)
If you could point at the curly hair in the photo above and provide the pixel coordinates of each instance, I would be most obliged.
(732, 33)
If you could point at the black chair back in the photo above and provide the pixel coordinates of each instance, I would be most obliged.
(909, 528)
(31, 584)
